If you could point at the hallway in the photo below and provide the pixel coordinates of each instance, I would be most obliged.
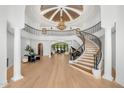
(55, 72)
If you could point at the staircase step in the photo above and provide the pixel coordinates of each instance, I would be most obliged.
(84, 60)
(86, 64)
(91, 48)
(84, 68)
(86, 57)
(92, 52)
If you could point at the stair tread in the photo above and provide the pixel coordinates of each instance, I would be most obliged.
(85, 64)
(85, 61)
(84, 68)
(90, 52)
(85, 57)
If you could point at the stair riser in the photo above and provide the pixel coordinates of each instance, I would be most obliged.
(87, 55)
(89, 61)
(89, 52)
(84, 69)
(90, 58)
(92, 52)
(90, 66)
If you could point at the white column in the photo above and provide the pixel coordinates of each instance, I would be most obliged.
(108, 55)
(17, 55)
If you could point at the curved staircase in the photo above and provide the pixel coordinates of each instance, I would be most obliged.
(86, 61)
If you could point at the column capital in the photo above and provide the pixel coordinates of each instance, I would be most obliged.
(108, 77)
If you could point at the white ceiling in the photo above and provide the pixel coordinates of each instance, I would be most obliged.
(89, 17)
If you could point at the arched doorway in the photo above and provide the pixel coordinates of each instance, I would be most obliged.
(60, 47)
(40, 49)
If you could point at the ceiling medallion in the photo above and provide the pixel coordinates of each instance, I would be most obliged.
(61, 24)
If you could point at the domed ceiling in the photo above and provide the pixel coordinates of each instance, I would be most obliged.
(83, 16)
(66, 12)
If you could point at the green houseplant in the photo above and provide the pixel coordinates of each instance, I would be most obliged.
(30, 50)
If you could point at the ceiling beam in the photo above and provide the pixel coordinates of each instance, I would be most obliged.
(67, 14)
(54, 14)
(48, 10)
(74, 10)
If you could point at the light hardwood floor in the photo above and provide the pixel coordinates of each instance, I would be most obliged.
(55, 72)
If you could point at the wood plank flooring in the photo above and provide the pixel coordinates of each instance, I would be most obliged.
(56, 72)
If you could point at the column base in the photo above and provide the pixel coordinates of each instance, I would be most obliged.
(96, 73)
(70, 62)
(3, 85)
(110, 78)
(16, 78)
(49, 56)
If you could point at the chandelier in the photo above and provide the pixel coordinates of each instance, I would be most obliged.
(61, 24)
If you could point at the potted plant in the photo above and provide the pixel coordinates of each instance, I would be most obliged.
(30, 50)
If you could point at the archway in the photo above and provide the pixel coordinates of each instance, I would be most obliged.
(40, 49)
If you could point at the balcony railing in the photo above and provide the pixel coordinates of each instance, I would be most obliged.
(38, 32)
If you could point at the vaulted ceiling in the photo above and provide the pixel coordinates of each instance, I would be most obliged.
(67, 12)
(74, 15)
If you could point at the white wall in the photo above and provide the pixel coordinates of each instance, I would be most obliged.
(16, 15)
(120, 45)
(3, 46)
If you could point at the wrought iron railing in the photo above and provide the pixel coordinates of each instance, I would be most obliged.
(79, 51)
(38, 32)
(35, 31)
(94, 28)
